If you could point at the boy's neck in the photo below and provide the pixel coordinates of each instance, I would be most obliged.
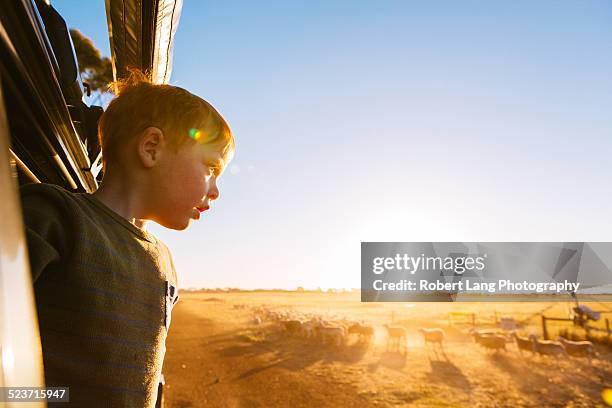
(122, 199)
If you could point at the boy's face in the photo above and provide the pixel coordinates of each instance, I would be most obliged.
(186, 183)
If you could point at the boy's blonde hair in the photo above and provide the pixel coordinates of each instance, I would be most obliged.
(180, 115)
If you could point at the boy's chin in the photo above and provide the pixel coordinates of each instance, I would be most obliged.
(177, 224)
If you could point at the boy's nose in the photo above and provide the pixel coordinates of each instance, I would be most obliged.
(213, 190)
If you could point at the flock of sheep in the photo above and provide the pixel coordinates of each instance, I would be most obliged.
(337, 331)
(315, 327)
(495, 340)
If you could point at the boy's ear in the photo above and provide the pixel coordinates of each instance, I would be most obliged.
(150, 144)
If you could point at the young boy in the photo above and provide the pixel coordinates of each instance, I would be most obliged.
(105, 287)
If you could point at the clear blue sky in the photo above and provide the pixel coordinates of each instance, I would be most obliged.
(390, 121)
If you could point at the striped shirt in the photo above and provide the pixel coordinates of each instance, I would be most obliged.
(104, 293)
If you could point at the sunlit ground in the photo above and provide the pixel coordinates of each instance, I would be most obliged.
(219, 355)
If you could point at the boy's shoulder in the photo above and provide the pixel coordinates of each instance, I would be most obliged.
(47, 198)
(52, 203)
(45, 204)
(45, 191)
(48, 216)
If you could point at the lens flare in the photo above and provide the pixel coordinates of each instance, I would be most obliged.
(606, 395)
(196, 134)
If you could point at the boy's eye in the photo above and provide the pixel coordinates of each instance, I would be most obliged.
(214, 169)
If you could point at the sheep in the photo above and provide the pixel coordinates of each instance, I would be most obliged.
(397, 336)
(365, 332)
(332, 334)
(293, 327)
(317, 333)
(308, 329)
(523, 343)
(490, 341)
(547, 347)
(577, 348)
(354, 328)
(275, 315)
(485, 332)
(434, 336)
(327, 331)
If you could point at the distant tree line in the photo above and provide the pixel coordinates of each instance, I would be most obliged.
(96, 71)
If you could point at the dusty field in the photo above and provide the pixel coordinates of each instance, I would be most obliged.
(218, 357)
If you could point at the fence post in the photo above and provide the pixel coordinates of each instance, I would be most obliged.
(473, 319)
(544, 331)
(608, 326)
(587, 330)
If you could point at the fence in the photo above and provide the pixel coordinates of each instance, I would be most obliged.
(588, 329)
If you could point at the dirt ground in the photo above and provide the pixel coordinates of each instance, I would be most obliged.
(218, 357)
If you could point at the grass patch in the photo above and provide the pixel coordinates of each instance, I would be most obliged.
(212, 299)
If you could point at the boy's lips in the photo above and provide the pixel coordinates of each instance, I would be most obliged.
(195, 214)
(197, 210)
